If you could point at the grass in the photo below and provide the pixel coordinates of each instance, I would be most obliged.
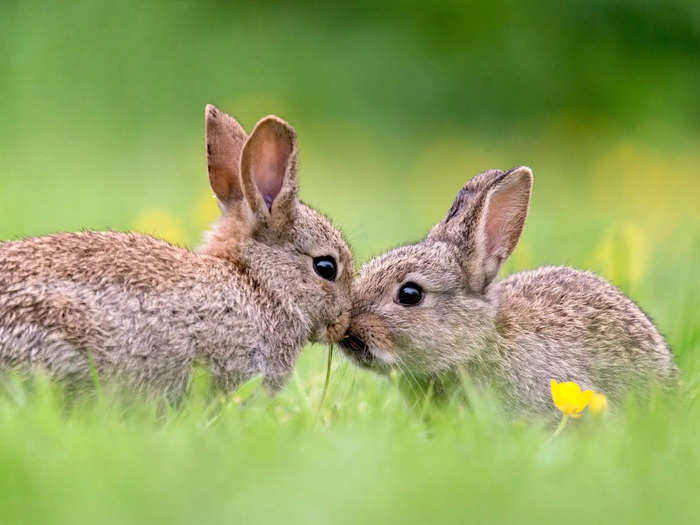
(370, 458)
(395, 109)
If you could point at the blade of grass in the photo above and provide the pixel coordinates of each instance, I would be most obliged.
(326, 381)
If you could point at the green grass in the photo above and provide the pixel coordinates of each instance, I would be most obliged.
(395, 108)
(368, 458)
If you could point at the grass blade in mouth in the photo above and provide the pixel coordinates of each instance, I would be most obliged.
(328, 376)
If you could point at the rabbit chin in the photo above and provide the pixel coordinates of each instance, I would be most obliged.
(383, 361)
(369, 357)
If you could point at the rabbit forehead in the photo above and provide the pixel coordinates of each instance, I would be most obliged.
(434, 265)
(314, 234)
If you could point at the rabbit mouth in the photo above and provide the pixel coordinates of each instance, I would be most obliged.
(358, 350)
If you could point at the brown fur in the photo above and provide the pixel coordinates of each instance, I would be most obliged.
(514, 334)
(146, 311)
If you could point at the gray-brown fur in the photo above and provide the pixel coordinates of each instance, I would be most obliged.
(146, 311)
(514, 334)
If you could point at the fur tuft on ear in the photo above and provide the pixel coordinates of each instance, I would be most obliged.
(268, 166)
(225, 139)
(486, 220)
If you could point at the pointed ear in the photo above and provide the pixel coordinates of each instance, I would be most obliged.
(269, 168)
(225, 139)
(486, 220)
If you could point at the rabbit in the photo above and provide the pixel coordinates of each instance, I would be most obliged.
(435, 310)
(271, 275)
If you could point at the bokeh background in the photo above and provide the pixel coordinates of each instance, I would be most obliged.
(396, 105)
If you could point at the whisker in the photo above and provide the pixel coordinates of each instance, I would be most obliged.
(412, 379)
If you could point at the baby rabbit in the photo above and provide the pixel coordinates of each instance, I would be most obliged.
(271, 275)
(433, 308)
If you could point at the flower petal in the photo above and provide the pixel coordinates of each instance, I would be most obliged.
(586, 397)
(554, 386)
(598, 404)
(568, 398)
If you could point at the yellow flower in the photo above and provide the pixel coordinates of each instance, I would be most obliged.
(598, 404)
(569, 398)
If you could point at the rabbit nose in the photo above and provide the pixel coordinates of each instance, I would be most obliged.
(353, 343)
(337, 328)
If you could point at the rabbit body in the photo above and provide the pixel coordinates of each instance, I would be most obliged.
(144, 311)
(569, 325)
(515, 334)
(148, 313)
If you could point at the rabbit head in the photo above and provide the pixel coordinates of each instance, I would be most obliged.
(267, 232)
(422, 307)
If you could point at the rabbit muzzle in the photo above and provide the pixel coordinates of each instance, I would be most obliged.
(368, 342)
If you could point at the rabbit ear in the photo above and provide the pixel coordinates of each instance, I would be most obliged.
(269, 168)
(486, 220)
(225, 139)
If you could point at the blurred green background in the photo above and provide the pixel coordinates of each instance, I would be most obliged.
(396, 106)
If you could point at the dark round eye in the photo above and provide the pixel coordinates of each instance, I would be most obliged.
(326, 267)
(410, 294)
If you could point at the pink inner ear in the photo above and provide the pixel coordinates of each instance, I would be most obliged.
(269, 169)
(269, 161)
(505, 218)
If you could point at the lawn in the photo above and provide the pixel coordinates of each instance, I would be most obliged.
(103, 128)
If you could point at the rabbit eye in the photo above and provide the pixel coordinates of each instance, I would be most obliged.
(410, 294)
(326, 267)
